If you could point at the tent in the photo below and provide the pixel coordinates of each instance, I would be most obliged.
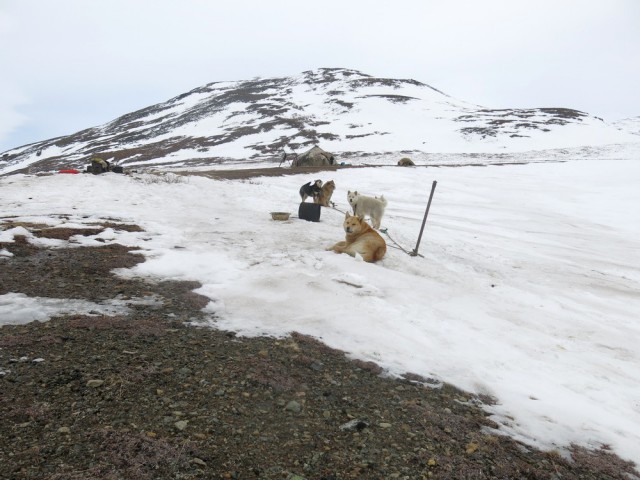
(316, 157)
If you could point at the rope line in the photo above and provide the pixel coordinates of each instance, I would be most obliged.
(386, 232)
(397, 245)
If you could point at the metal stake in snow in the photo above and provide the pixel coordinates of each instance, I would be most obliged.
(424, 220)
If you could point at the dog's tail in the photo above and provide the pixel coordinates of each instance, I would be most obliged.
(383, 200)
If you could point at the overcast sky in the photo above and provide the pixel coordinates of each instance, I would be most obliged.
(73, 64)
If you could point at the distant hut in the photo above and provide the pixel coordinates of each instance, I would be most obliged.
(406, 162)
(316, 157)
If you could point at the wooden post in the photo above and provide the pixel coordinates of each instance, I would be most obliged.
(424, 220)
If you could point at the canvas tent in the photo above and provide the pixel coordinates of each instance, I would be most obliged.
(316, 157)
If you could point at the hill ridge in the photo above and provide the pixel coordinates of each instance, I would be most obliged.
(347, 111)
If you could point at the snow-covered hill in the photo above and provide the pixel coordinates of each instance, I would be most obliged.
(629, 125)
(345, 111)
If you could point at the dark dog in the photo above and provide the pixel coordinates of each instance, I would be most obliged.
(310, 190)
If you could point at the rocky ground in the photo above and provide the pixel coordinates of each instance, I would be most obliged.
(146, 396)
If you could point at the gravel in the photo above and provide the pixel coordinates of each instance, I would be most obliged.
(147, 395)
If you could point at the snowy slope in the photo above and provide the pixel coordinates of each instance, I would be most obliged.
(347, 112)
(630, 125)
(528, 290)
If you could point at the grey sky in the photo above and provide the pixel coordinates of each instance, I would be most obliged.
(72, 64)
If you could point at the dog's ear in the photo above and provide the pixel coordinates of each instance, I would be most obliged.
(346, 215)
(361, 218)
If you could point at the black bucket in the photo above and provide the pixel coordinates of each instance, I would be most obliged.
(309, 211)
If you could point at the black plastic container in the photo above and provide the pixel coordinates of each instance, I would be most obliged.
(309, 211)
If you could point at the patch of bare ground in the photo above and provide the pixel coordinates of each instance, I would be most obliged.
(147, 396)
(244, 173)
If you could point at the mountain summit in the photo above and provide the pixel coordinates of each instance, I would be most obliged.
(346, 111)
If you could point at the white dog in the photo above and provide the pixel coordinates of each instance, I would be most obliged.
(363, 205)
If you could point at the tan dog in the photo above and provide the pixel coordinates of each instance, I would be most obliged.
(324, 197)
(362, 239)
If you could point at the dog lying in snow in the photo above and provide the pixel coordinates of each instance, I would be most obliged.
(310, 189)
(361, 239)
(372, 206)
